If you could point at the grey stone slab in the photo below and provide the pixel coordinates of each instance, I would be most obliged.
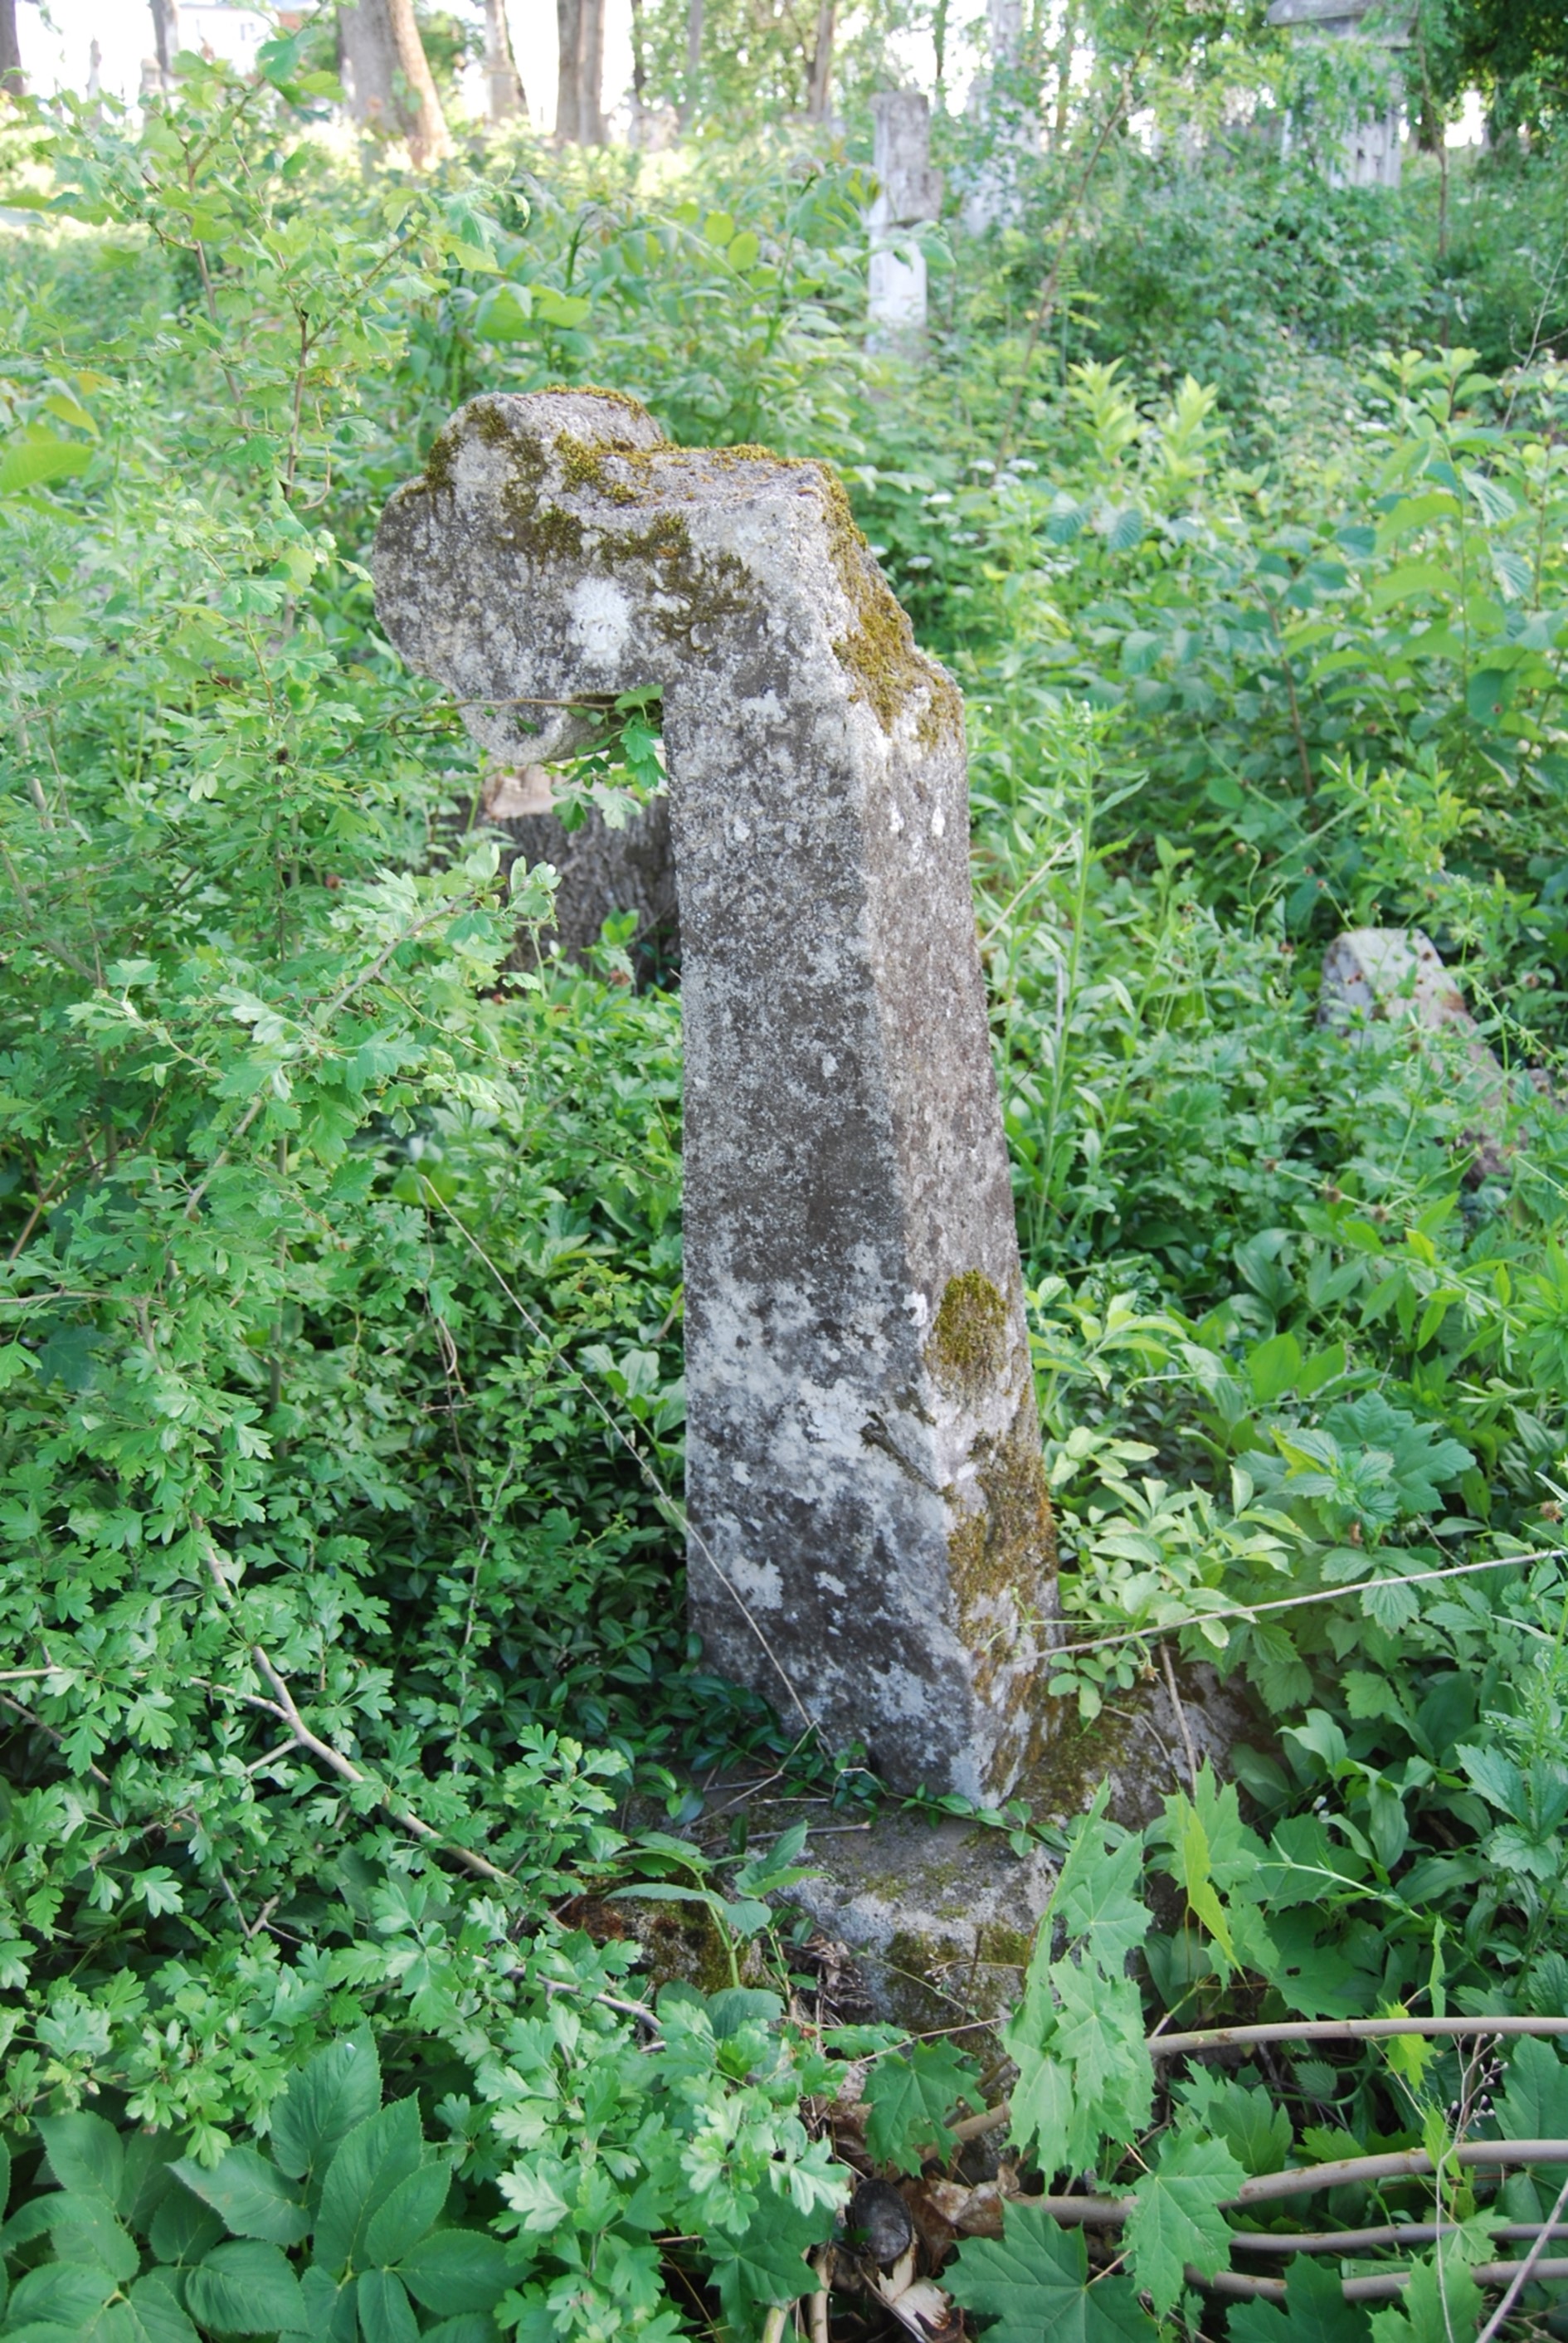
(870, 1531)
(1392, 976)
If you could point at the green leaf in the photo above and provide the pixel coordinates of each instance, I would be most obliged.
(61, 2294)
(1097, 1901)
(30, 463)
(323, 2102)
(244, 2288)
(250, 2193)
(908, 2098)
(86, 2157)
(86, 2230)
(153, 2311)
(376, 2154)
(767, 2265)
(474, 2327)
(1488, 693)
(385, 2314)
(1031, 2282)
(183, 2230)
(410, 2210)
(1176, 2217)
(1536, 2104)
(559, 308)
(1441, 2302)
(329, 2313)
(1315, 2311)
(453, 2271)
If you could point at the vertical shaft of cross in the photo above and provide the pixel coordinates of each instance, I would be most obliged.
(870, 1536)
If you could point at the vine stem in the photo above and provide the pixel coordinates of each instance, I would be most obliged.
(1308, 2180)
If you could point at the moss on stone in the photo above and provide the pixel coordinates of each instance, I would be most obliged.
(967, 1346)
(879, 652)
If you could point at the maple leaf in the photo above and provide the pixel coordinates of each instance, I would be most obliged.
(1315, 2311)
(1177, 2217)
(1031, 2282)
(910, 2097)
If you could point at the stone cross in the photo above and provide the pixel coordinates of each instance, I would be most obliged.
(870, 1537)
(908, 192)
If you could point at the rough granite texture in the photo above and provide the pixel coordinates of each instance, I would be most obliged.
(870, 1531)
(938, 1921)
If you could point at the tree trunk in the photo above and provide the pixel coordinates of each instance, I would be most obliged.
(504, 87)
(1065, 47)
(367, 65)
(821, 75)
(429, 140)
(167, 36)
(11, 80)
(639, 58)
(693, 58)
(579, 101)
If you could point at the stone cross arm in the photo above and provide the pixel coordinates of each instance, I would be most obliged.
(870, 1539)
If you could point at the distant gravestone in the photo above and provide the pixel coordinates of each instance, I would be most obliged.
(1396, 976)
(870, 1539)
(908, 195)
(1370, 153)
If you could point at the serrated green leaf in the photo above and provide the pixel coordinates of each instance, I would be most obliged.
(455, 2271)
(249, 2193)
(154, 2313)
(1176, 2217)
(410, 2210)
(768, 2263)
(84, 2155)
(339, 2088)
(1032, 2282)
(60, 2294)
(909, 2097)
(385, 2314)
(1315, 2311)
(31, 463)
(376, 2154)
(244, 2288)
(1442, 2301)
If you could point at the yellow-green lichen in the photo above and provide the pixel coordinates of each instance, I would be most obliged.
(968, 1346)
(878, 651)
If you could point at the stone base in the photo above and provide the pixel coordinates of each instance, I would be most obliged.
(938, 1920)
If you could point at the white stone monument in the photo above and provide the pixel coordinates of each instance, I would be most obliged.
(908, 195)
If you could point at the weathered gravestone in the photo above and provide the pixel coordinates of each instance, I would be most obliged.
(1368, 155)
(909, 193)
(869, 1533)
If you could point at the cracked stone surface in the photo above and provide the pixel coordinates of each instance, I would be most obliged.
(869, 1540)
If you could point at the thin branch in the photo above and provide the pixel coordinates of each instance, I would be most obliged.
(1381, 2286)
(1348, 2029)
(1532, 2262)
(283, 1705)
(1248, 1612)
(1391, 2233)
(26, 1716)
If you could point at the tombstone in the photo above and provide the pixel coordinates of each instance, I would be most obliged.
(1369, 154)
(870, 1535)
(1011, 125)
(1392, 976)
(909, 193)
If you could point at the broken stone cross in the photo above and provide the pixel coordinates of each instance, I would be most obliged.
(870, 1536)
